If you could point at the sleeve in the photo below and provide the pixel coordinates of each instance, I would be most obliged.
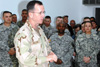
(68, 54)
(11, 37)
(93, 56)
(3, 42)
(24, 53)
(78, 51)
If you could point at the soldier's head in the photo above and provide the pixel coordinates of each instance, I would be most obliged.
(92, 18)
(59, 19)
(65, 19)
(61, 27)
(47, 21)
(24, 14)
(72, 23)
(36, 12)
(86, 19)
(7, 17)
(88, 27)
(77, 28)
(14, 18)
(94, 25)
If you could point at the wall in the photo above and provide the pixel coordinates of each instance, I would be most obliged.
(56, 8)
(87, 10)
(74, 8)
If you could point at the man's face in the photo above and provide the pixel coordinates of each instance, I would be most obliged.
(94, 25)
(65, 19)
(38, 14)
(58, 20)
(47, 21)
(7, 17)
(72, 23)
(14, 18)
(24, 15)
(61, 28)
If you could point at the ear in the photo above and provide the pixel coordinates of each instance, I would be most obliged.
(30, 15)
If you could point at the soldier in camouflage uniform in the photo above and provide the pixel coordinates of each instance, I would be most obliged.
(82, 29)
(11, 45)
(5, 30)
(61, 45)
(24, 18)
(87, 47)
(47, 28)
(58, 20)
(32, 46)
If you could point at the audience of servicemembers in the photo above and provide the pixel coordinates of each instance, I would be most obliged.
(76, 45)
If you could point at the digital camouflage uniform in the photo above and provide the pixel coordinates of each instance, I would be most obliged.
(11, 45)
(87, 46)
(5, 60)
(20, 23)
(94, 31)
(47, 30)
(62, 47)
(31, 47)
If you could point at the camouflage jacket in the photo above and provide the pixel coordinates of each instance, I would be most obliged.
(47, 30)
(31, 48)
(5, 60)
(20, 23)
(87, 46)
(62, 47)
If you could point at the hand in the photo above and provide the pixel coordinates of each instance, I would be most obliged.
(74, 54)
(55, 57)
(59, 61)
(52, 57)
(12, 51)
(86, 59)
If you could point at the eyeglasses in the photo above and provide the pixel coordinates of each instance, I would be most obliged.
(40, 12)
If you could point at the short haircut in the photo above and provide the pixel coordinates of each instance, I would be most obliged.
(6, 12)
(31, 4)
(94, 21)
(13, 14)
(82, 23)
(65, 16)
(59, 17)
(47, 17)
(86, 18)
(77, 25)
(92, 18)
(24, 10)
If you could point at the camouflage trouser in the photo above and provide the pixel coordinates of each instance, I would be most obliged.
(87, 64)
(14, 60)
